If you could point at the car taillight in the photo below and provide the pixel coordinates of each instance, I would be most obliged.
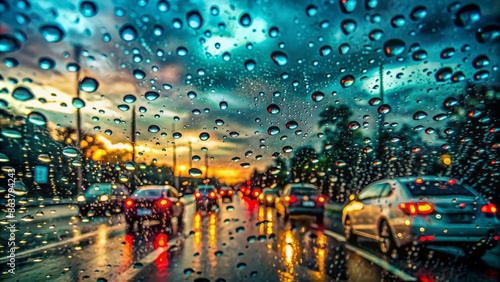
(230, 192)
(129, 203)
(197, 195)
(163, 203)
(413, 209)
(256, 193)
(321, 199)
(222, 192)
(211, 195)
(489, 209)
(291, 199)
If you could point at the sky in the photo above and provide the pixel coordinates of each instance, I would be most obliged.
(223, 52)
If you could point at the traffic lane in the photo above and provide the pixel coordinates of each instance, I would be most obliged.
(107, 253)
(245, 242)
(439, 264)
(39, 213)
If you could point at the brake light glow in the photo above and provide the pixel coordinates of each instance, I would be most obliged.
(222, 192)
(413, 209)
(256, 193)
(230, 192)
(419, 181)
(129, 203)
(211, 195)
(291, 199)
(495, 238)
(163, 203)
(197, 195)
(489, 209)
(427, 238)
(452, 181)
(321, 199)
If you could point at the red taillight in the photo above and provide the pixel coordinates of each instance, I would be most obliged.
(495, 238)
(452, 181)
(419, 181)
(256, 193)
(197, 195)
(413, 209)
(163, 203)
(230, 192)
(129, 203)
(291, 199)
(222, 192)
(489, 209)
(211, 195)
(243, 190)
(321, 199)
(427, 238)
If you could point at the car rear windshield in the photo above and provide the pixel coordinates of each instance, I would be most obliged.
(148, 193)
(437, 188)
(304, 191)
(98, 189)
(271, 192)
(205, 190)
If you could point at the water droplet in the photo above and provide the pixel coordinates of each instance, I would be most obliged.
(487, 33)
(22, 94)
(70, 152)
(251, 239)
(123, 107)
(481, 61)
(11, 133)
(153, 128)
(279, 58)
(223, 105)
(138, 265)
(46, 63)
(418, 13)
(204, 136)
(287, 149)
(182, 51)
(72, 67)
(163, 6)
(353, 125)
(348, 6)
(419, 55)
(250, 65)
(311, 10)
(292, 124)
(139, 74)
(450, 102)
(218, 253)
(273, 109)
(177, 135)
(325, 50)
(318, 96)
(376, 34)
(344, 48)
(128, 33)
(384, 109)
(188, 271)
(9, 43)
(348, 26)
(241, 265)
(151, 96)
(394, 47)
(194, 171)
(245, 165)
(273, 130)
(398, 21)
(129, 98)
(245, 20)
(274, 32)
(419, 115)
(443, 74)
(194, 20)
(88, 85)
(447, 53)
(481, 75)
(440, 117)
(52, 33)
(88, 9)
(458, 77)
(37, 118)
(347, 81)
(230, 208)
(467, 15)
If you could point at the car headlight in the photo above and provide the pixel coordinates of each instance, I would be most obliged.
(80, 198)
(103, 198)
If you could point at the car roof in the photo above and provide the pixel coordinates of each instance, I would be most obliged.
(303, 185)
(413, 178)
(148, 187)
(206, 186)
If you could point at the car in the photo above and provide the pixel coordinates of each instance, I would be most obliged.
(226, 193)
(252, 193)
(425, 210)
(154, 202)
(301, 199)
(102, 198)
(207, 198)
(268, 196)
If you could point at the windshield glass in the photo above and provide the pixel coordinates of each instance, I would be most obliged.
(438, 188)
(316, 98)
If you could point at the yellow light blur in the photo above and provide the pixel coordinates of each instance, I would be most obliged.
(354, 206)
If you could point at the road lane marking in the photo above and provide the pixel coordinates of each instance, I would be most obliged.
(131, 272)
(373, 258)
(68, 241)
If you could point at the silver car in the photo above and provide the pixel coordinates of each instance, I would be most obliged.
(301, 199)
(422, 210)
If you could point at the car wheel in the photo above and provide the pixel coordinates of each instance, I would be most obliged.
(349, 231)
(386, 240)
(474, 252)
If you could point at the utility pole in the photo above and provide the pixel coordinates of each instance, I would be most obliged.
(381, 116)
(176, 178)
(132, 137)
(190, 155)
(78, 52)
(206, 165)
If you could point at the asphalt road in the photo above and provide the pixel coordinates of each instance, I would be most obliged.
(242, 242)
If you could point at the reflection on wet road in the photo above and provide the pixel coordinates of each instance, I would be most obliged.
(241, 242)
